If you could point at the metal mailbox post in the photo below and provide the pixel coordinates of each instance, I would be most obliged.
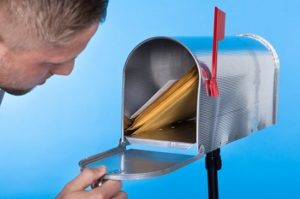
(248, 69)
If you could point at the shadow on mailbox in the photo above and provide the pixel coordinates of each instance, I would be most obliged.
(165, 104)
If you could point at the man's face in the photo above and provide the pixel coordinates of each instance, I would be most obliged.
(21, 71)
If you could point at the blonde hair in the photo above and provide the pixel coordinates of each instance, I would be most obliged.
(32, 23)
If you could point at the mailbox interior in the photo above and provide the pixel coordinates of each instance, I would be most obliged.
(149, 67)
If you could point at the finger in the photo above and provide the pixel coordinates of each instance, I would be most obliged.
(120, 195)
(86, 178)
(108, 189)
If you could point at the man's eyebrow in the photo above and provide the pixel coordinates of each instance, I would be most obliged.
(53, 63)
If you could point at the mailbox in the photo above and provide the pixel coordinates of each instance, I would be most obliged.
(248, 69)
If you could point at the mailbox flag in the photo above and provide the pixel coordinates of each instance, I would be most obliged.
(219, 24)
(219, 31)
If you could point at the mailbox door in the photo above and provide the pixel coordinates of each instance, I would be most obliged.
(129, 164)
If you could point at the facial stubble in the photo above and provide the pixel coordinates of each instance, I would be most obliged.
(7, 80)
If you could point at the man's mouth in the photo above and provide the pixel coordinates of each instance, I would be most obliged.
(43, 82)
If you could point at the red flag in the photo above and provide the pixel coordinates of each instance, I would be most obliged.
(219, 31)
(219, 24)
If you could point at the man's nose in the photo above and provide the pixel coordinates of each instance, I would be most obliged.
(64, 69)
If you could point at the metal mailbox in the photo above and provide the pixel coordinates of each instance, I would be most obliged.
(248, 69)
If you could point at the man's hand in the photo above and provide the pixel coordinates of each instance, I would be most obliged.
(76, 188)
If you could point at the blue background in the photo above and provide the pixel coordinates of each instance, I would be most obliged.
(45, 133)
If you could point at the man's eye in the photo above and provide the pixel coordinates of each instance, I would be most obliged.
(52, 64)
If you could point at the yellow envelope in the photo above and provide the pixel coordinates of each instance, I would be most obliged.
(177, 103)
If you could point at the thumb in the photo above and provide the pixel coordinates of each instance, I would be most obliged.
(86, 178)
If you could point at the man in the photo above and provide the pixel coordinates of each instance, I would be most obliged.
(42, 38)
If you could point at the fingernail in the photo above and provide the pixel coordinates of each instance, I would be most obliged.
(102, 169)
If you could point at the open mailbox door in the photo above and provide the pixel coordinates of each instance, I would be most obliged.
(132, 164)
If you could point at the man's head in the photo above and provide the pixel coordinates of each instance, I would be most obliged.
(42, 38)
